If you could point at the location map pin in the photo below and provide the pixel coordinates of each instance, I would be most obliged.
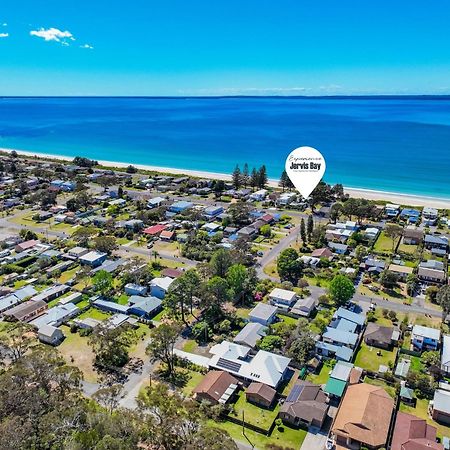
(305, 167)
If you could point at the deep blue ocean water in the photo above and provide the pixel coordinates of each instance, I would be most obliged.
(388, 144)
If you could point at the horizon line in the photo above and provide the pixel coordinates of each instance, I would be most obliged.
(340, 96)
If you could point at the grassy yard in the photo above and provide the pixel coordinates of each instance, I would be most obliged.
(190, 346)
(411, 249)
(421, 410)
(368, 359)
(253, 414)
(384, 244)
(376, 382)
(322, 376)
(160, 315)
(288, 320)
(68, 274)
(94, 313)
(77, 352)
(193, 381)
(288, 439)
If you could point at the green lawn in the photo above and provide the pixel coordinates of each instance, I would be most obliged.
(411, 249)
(253, 414)
(190, 346)
(68, 274)
(160, 315)
(288, 438)
(383, 244)
(368, 359)
(122, 300)
(94, 313)
(421, 410)
(416, 364)
(322, 376)
(20, 283)
(194, 380)
(377, 382)
(288, 320)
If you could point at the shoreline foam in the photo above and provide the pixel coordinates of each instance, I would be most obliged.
(369, 194)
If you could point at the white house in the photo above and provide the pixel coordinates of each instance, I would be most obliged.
(445, 357)
(263, 313)
(159, 286)
(282, 298)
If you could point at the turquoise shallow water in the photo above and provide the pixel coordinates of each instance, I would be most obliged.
(389, 144)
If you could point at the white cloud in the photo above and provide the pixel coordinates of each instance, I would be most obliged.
(89, 47)
(4, 35)
(53, 34)
(4, 24)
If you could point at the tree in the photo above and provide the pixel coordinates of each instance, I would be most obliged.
(82, 235)
(431, 358)
(289, 266)
(360, 252)
(182, 293)
(310, 226)
(218, 291)
(245, 176)
(393, 232)
(174, 423)
(108, 396)
(240, 213)
(283, 183)
(16, 340)
(110, 345)
(270, 343)
(220, 262)
(303, 231)
(254, 179)
(162, 345)
(236, 177)
(265, 230)
(201, 331)
(262, 177)
(443, 299)
(412, 283)
(103, 282)
(105, 244)
(301, 344)
(388, 279)
(341, 289)
(27, 235)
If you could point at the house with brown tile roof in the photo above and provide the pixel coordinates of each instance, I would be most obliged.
(363, 417)
(305, 404)
(322, 253)
(412, 433)
(215, 387)
(260, 394)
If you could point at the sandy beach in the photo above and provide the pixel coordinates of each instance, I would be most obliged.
(393, 197)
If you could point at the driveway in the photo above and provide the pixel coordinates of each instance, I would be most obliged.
(315, 439)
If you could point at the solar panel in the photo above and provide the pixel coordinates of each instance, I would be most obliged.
(295, 393)
(229, 365)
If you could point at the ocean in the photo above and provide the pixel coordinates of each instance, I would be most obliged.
(392, 144)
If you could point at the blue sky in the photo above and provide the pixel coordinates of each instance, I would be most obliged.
(254, 47)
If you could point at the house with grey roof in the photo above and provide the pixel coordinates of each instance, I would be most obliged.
(445, 356)
(250, 334)
(441, 406)
(304, 307)
(263, 313)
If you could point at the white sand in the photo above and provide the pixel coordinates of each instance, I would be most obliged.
(393, 197)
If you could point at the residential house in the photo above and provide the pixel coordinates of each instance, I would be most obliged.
(179, 207)
(167, 235)
(440, 406)
(338, 379)
(146, 307)
(402, 368)
(425, 338)
(345, 314)
(26, 245)
(155, 202)
(371, 233)
(429, 215)
(306, 404)
(49, 294)
(108, 306)
(48, 334)
(379, 336)
(25, 312)
(413, 433)
(392, 210)
(432, 276)
(172, 273)
(93, 259)
(263, 313)
(16, 297)
(304, 307)
(339, 249)
(432, 241)
(264, 367)
(322, 253)
(445, 356)
(77, 252)
(412, 235)
(286, 198)
(155, 230)
(402, 272)
(363, 417)
(135, 289)
(373, 265)
(282, 298)
(215, 387)
(411, 215)
(159, 286)
(210, 212)
(250, 334)
(56, 316)
(260, 394)
(258, 196)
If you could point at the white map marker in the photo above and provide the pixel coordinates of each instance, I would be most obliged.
(305, 167)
